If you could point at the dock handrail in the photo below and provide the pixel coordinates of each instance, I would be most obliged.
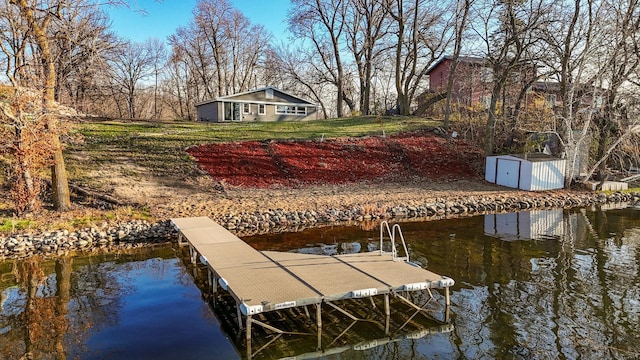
(392, 236)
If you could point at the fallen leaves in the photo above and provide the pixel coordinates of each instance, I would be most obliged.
(264, 164)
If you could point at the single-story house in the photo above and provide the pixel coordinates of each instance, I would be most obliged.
(263, 104)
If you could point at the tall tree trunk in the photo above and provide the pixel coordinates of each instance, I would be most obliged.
(340, 79)
(61, 197)
(447, 103)
(25, 170)
(399, 75)
(366, 95)
(490, 136)
(457, 48)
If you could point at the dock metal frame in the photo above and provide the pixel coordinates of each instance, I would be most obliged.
(265, 281)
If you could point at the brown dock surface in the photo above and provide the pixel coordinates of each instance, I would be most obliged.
(270, 280)
(334, 279)
(398, 275)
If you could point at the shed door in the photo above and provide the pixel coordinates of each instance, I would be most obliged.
(507, 172)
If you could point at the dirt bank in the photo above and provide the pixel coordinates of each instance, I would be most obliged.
(370, 173)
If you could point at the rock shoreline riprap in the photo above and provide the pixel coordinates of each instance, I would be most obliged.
(139, 233)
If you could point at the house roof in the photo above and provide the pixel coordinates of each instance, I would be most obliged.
(232, 96)
(462, 59)
(546, 86)
(470, 60)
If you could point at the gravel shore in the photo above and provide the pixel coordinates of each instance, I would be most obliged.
(251, 212)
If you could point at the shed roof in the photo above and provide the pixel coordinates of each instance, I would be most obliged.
(536, 157)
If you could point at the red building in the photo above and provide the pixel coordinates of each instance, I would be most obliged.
(474, 78)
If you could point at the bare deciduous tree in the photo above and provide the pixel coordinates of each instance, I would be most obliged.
(295, 73)
(422, 37)
(14, 43)
(615, 119)
(594, 59)
(211, 23)
(159, 54)
(368, 25)
(39, 20)
(322, 23)
(461, 22)
(510, 31)
(81, 42)
(47, 44)
(218, 53)
(134, 64)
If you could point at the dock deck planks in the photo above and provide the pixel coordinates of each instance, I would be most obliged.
(398, 275)
(270, 280)
(334, 279)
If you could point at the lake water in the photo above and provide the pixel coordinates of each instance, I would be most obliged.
(532, 285)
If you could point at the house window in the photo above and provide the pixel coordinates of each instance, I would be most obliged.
(598, 102)
(291, 110)
(550, 100)
(262, 109)
(485, 100)
(268, 93)
(246, 108)
(486, 74)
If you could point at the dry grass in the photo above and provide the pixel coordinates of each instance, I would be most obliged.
(145, 163)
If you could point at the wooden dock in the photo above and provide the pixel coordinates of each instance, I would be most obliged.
(264, 281)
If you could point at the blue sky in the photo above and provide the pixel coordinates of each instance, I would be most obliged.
(164, 17)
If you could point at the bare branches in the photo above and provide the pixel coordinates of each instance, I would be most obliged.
(24, 149)
(323, 23)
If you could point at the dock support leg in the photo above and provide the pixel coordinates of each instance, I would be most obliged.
(387, 313)
(192, 252)
(447, 301)
(239, 317)
(248, 335)
(319, 323)
(214, 289)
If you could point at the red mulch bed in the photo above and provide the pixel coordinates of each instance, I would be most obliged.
(263, 164)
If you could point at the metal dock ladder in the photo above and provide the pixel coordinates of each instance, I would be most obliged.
(392, 236)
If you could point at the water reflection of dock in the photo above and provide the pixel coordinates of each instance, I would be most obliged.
(373, 343)
(264, 282)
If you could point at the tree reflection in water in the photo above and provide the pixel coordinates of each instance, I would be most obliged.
(569, 294)
(50, 307)
(35, 324)
(574, 295)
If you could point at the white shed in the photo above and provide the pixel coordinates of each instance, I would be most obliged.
(532, 172)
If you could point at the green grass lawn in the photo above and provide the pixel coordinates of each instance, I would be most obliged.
(133, 150)
(159, 146)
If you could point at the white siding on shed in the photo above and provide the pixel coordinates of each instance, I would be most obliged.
(546, 175)
(533, 174)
